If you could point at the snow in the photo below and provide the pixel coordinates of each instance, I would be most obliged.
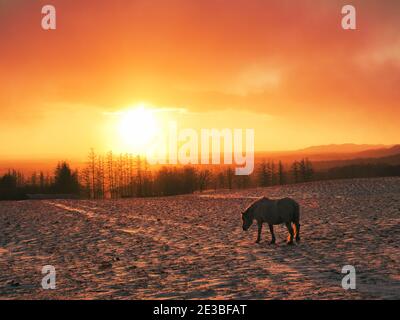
(193, 247)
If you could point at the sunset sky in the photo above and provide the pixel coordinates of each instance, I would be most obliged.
(285, 68)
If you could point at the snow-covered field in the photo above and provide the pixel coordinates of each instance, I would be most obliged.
(193, 246)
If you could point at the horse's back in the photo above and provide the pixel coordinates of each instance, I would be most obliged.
(267, 210)
(287, 202)
(289, 209)
(276, 211)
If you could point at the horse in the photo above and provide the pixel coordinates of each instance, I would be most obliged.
(273, 212)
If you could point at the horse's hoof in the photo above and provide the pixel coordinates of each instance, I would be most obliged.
(290, 243)
(258, 241)
(298, 240)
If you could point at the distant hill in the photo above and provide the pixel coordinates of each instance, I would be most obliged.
(332, 152)
(342, 148)
(382, 152)
(390, 160)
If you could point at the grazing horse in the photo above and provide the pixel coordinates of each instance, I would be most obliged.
(273, 212)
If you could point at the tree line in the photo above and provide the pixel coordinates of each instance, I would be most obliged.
(15, 186)
(125, 175)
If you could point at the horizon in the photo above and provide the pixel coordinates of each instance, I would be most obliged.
(356, 148)
(47, 165)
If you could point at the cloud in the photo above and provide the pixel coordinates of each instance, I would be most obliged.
(275, 57)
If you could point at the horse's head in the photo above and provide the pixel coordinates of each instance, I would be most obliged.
(247, 220)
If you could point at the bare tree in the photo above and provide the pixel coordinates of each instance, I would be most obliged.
(263, 174)
(204, 179)
(92, 170)
(110, 175)
(100, 181)
(296, 171)
(281, 174)
(229, 177)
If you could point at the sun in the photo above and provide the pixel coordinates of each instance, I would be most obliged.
(137, 127)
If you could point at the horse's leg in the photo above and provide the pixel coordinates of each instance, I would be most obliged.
(271, 229)
(290, 229)
(259, 232)
(297, 231)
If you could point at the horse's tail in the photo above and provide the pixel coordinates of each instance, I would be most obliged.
(296, 213)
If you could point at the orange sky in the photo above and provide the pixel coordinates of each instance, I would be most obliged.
(285, 68)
